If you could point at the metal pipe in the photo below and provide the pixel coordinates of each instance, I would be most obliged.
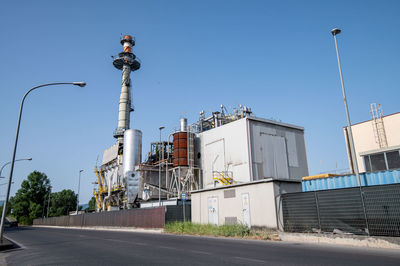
(159, 172)
(166, 168)
(80, 84)
(124, 101)
(183, 124)
(79, 189)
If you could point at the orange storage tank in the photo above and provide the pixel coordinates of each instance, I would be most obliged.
(180, 146)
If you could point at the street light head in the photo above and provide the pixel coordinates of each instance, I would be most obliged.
(29, 159)
(161, 128)
(80, 84)
(335, 31)
(80, 171)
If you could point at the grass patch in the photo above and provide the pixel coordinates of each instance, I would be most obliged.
(237, 230)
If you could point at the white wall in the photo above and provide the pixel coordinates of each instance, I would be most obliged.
(225, 148)
(261, 202)
(364, 138)
(277, 151)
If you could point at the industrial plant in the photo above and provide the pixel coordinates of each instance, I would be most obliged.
(219, 152)
(232, 167)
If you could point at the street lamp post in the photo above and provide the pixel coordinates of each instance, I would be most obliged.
(351, 140)
(159, 170)
(1, 169)
(335, 32)
(80, 84)
(79, 188)
(48, 203)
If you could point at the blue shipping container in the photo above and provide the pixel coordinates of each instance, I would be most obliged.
(346, 181)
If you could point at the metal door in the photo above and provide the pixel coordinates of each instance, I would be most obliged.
(213, 210)
(246, 209)
(274, 157)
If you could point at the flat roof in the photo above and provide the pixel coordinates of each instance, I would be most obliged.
(370, 152)
(371, 120)
(268, 121)
(267, 180)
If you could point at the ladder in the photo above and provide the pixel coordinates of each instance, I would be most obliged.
(377, 124)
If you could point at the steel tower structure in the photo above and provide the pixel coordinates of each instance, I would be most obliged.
(127, 62)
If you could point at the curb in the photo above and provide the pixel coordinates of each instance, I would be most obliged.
(347, 240)
(109, 228)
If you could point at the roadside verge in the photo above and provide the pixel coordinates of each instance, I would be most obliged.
(347, 240)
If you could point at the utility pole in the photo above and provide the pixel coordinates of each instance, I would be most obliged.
(79, 188)
(159, 168)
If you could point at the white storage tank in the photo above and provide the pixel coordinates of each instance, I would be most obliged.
(132, 156)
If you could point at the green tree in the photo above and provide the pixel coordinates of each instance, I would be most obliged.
(27, 204)
(61, 203)
(92, 204)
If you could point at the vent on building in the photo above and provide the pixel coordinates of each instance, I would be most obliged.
(229, 193)
(230, 220)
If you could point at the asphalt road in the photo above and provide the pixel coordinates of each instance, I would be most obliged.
(51, 246)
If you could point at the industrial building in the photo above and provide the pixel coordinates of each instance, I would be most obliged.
(377, 150)
(245, 165)
(376, 141)
(230, 165)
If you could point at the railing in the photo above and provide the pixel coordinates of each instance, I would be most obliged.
(342, 210)
(225, 177)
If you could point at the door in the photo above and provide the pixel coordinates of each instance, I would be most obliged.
(213, 210)
(275, 162)
(246, 209)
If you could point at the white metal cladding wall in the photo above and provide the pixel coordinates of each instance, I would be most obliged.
(277, 151)
(225, 148)
(261, 198)
(364, 138)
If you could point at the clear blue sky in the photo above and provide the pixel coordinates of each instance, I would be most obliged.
(277, 57)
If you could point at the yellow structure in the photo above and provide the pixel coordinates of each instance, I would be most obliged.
(225, 178)
(318, 176)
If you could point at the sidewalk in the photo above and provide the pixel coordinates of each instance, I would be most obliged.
(342, 239)
(6, 244)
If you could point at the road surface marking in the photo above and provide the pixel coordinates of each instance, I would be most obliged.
(248, 259)
(201, 252)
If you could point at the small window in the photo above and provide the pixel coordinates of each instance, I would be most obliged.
(367, 164)
(393, 159)
(378, 162)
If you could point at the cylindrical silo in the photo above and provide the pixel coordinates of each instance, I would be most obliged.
(181, 149)
(132, 152)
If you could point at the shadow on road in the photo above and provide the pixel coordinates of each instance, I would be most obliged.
(17, 228)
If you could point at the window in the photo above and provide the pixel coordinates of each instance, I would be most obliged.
(382, 161)
(393, 159)
(367, 163)
(378, 162)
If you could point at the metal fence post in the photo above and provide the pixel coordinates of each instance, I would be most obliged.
(364, 209)
(316, 203)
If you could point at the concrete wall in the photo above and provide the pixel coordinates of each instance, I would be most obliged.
(261, 197)
(364, 138)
